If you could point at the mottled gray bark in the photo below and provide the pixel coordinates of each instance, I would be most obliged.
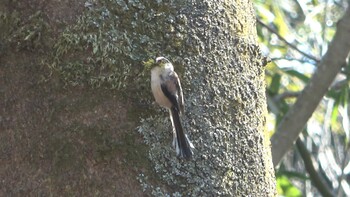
(225, 106)
(82, 140)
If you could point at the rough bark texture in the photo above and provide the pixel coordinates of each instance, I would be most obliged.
(57, 141)
(82, 140)
(225, 105)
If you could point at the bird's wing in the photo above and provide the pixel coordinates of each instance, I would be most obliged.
(180, 95)
(173, 91)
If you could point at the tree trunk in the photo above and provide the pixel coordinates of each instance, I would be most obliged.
(91, 90)
(225, 104)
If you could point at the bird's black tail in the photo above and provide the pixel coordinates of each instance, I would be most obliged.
(182, 144)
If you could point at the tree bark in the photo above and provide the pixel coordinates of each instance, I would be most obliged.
(225, 104)
(74, 94)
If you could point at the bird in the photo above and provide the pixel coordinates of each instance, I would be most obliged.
(167, 91)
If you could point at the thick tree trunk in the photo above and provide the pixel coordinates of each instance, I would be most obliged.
(225, 103)
(83, 141)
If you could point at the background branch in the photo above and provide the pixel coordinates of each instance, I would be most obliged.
(288, 94)
(292, 59)
(296, 118)
(285, 41)
(315, 177)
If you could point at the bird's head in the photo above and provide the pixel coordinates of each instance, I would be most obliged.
(159, 62)
(162, 62)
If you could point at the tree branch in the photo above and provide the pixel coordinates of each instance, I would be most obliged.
(288, 43)
(296, 118)
(316, 179)
(292, 59)
(288, 94)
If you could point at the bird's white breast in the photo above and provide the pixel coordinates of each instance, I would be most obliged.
(157, 91)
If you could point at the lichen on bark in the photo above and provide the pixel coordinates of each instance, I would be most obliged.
(213, 47)
(225, 106)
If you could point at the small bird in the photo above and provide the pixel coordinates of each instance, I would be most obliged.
(167, 91)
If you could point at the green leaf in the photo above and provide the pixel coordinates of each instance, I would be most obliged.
(264, 12)
(332, 93)
(341, 98)
(275, 84)
(280, 21)
(286, 188)
(335, 111)
(298, 75)
(292, 174)
(345, 113)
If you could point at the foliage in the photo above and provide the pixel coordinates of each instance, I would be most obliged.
(23, 34)
(286, 188)
(296, 34)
